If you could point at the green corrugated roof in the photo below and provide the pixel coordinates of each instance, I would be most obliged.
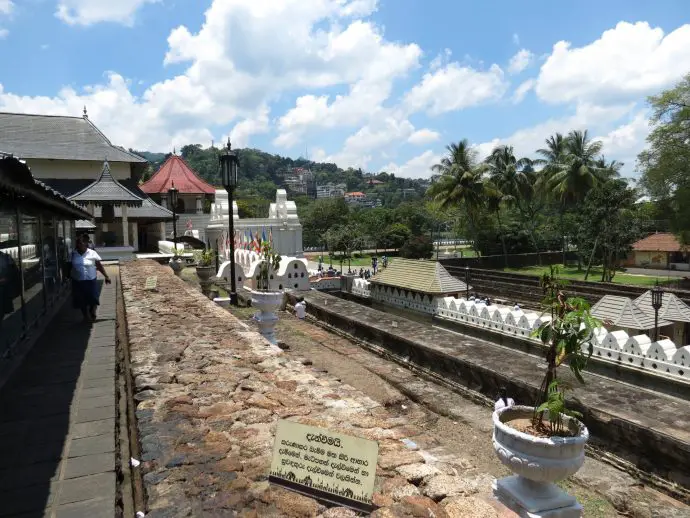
(421, 276)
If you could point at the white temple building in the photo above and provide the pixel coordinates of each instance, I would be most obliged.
(282, 224)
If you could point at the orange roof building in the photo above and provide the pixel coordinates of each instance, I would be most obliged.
(176, 171)
(660, 250)
(660, 242)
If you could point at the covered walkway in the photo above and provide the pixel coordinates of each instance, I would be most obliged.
(58, 420)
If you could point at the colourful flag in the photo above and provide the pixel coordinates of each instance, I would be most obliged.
(270, 236)
(263, 236)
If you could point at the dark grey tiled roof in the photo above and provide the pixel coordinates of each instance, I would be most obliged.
(58, 137)
(672, 308)
(106, 190)
(148, 210)
(16, 178)
(623, 312)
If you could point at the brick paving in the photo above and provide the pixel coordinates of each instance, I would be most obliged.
(58, 418)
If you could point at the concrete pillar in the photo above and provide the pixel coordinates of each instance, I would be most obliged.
(162, 236)
(104, 227)
(164, 202)
(125, 226)
(199, 206)
(135, 236)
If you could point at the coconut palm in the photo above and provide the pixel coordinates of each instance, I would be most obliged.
(460, 180)
(551, 159)
(578, 171)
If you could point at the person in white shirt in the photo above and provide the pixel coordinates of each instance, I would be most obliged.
(85, 290)
(301, 308)
(503, 399)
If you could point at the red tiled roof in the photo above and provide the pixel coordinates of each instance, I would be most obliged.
(661, 242)
(175, 170)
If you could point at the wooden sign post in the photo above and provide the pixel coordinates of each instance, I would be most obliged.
(325, 465)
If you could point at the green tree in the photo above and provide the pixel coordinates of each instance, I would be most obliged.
(608, 226)
(395, 235)
(460, 181)
(321, 216)
(664, 164)
(417, 247)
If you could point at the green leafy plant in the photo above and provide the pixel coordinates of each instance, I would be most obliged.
(204, 257)
(270, 261)
(568, 336)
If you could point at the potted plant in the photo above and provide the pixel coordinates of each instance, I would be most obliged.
(262, 297)
(205, 267)
(546, 443)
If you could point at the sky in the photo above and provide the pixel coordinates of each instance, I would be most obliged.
(383, 85)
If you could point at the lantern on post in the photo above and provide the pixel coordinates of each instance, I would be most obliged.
(657, 301)
(229, 167)
(173, 197)
(467, 283)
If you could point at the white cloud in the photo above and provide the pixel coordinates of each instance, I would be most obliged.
(250, 126)
(3, 33)
(625, 142)
(89, 12)
(239, 62)
(516, 38)
(522, 90)
(455, 87)
(417, 167)
(423, 136)
(6, 7)
(520, 61)
(628, 61)
(587, 116)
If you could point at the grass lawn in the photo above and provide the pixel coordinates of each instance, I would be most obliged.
(571, 272)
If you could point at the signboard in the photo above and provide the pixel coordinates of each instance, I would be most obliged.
(325, 465)
(151, 283)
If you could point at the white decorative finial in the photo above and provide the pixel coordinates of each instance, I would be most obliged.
(86, 115)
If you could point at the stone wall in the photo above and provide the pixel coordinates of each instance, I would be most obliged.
(642, 427)
(208, 394)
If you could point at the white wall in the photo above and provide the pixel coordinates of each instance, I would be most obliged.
(76, 169)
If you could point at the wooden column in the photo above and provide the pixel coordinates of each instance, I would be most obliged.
(125, 226)
(135, 236)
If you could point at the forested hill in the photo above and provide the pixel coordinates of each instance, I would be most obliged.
(262, 173)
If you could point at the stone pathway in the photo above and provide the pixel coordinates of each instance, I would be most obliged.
(57, 420)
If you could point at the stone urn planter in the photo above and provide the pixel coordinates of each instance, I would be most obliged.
(176, 265)
(267, 302)
(537, 462)
(205, 272)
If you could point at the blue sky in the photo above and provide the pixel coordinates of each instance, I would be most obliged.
(377, 84)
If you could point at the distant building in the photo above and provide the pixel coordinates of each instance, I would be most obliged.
(331, 190)
(298, 180)
(355, 197)
(660, 250)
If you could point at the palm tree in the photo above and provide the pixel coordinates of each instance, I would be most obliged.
(460, 180)
(514, 180)
(609, 170)
(578, 170)
(552, 156)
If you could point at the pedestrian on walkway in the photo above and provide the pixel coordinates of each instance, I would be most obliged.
(85, 290)
(301, 308)
(503, 399)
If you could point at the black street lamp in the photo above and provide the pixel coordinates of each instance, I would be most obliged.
(467, 283)
(172, 196)
(657, 301)
(229, 165)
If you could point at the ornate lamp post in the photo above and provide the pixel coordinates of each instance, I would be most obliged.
(229, 165)
(657, 301)
(172, 196)
(467, 282)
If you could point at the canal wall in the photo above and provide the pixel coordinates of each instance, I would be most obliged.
(648, 430)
